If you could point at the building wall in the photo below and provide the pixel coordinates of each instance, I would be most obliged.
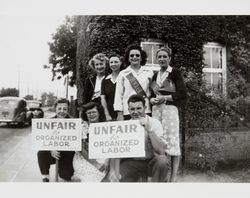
(218, 147)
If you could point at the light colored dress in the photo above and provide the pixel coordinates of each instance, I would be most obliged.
(124, 88)
(86, 170)
(168, 116)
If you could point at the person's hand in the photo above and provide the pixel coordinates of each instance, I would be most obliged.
(55, 154)
(161, 99)
(143, 121)
(108, 117)
(154, 101)
(120, 117)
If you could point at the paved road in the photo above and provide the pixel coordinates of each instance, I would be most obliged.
(18, 161)
(10, 137)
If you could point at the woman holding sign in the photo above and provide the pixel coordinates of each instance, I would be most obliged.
(169, 94)
(89, 170)
(46, 158)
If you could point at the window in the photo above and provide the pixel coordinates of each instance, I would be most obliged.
(214, 67)
(150, 47)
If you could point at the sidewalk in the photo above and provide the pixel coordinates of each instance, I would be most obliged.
(20, 165)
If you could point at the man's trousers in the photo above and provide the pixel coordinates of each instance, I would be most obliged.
(65, 165)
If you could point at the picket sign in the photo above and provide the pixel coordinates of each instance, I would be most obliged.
(56, 135)
(120, 139)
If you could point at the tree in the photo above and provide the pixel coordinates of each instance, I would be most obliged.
(28, 97)
(62, 59)
(48, 99)
(9, 92)
(82, 53)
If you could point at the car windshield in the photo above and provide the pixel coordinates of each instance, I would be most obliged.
(33, 105)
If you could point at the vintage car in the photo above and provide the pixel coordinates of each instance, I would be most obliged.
(13, 110)
(34, 108)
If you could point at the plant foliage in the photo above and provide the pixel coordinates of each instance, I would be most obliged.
(9, 92)
(186, 36)
(48, 99)
(63, 50)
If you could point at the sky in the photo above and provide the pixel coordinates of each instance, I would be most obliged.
(23, 52)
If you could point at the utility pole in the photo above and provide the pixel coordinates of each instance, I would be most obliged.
(18, 81)
(67, 86)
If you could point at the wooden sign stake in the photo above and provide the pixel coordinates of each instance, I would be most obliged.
(56, 171)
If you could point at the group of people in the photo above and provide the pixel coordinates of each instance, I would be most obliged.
(130, 91)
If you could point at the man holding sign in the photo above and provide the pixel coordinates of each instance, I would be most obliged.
(46, 158)
(155, 164)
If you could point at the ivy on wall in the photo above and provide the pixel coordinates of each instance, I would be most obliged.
(186, 36)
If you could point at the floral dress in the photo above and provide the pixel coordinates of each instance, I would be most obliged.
(168, 116)
(166, 113)
(86, 170)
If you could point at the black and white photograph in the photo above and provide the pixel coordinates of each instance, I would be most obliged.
(118, 99)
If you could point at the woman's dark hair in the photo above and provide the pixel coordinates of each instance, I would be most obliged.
(91, 105)
(135, 47)
(120, 58)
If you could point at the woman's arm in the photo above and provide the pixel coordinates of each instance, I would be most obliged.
(105, 107)
(181, 92)
(118, 100)
(104, 101)
(120, 116)
(153, 98)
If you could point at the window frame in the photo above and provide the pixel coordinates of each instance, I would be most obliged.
(222, 70)
(152, 66)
